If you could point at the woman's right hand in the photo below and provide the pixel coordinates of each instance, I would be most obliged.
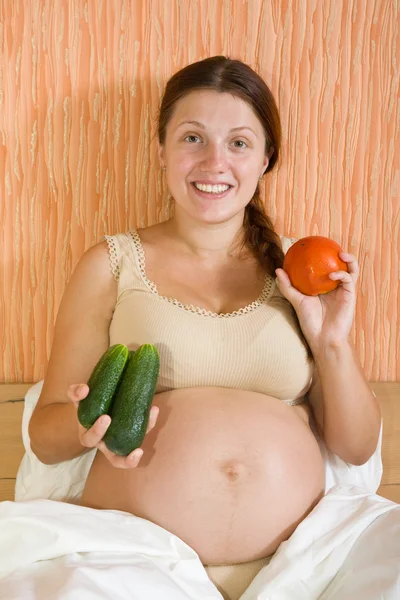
(92, 438)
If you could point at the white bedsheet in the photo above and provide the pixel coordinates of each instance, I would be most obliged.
(348, 548)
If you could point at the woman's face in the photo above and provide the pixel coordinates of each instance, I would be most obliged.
(214, 153)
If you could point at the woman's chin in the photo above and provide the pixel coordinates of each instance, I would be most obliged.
(214, 214)
(216, 217)
(210, 212)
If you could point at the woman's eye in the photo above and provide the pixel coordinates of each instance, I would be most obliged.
(192, 139)
(240, 144)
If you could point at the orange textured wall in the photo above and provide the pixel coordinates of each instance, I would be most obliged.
(80, 84)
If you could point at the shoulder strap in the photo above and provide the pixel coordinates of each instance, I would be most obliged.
(114, 252)
(124, 261)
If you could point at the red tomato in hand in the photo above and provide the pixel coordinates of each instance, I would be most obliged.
(308, 263)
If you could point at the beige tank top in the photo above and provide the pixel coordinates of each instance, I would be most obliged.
(256, 348)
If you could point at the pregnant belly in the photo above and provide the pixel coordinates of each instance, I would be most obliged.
(230, 472)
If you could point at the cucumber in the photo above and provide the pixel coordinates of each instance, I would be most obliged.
(131, 406)
(102, 384)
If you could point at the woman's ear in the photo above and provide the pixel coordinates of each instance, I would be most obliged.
(160, 151)
(267, 159)
(265, 165)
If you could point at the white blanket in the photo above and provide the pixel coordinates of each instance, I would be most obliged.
(348, 548)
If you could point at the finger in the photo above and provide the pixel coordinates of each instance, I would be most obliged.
(93, 436)
(154, 412)
(77, 392)
(121, 462)
(286, 287)
(352, 264)
(345, 279)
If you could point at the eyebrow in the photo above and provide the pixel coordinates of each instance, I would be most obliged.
(198, 124)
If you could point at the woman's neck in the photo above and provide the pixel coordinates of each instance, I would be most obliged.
(207, 240)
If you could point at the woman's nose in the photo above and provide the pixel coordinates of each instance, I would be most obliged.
(214, 158)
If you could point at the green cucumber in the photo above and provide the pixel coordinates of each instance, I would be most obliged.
(103, 384)
(131, 406)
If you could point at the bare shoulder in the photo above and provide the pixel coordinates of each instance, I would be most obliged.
(92, 287)
(91, 280)
(95, 262)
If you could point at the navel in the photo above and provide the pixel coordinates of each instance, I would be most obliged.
(233, 470)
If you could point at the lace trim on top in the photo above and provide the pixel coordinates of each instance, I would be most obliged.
(266, 292)
(113, 254)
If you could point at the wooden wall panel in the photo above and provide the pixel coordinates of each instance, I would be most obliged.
(80, 84)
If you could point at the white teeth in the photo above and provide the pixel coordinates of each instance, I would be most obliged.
(213, 189)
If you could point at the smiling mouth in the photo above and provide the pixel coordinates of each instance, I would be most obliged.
(217, 189)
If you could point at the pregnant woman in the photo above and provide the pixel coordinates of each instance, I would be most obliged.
(249, 365)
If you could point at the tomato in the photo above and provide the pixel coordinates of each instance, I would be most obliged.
(308, 263)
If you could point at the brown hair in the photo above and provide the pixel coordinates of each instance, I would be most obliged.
(235, 77)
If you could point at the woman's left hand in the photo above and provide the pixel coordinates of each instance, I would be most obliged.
(327, 318)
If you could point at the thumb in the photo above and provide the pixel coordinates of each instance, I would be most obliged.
(285, 287)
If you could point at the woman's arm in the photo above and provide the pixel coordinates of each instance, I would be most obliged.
(80, 338)
(347, 413)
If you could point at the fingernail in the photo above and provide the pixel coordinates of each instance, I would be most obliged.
(139, 454)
